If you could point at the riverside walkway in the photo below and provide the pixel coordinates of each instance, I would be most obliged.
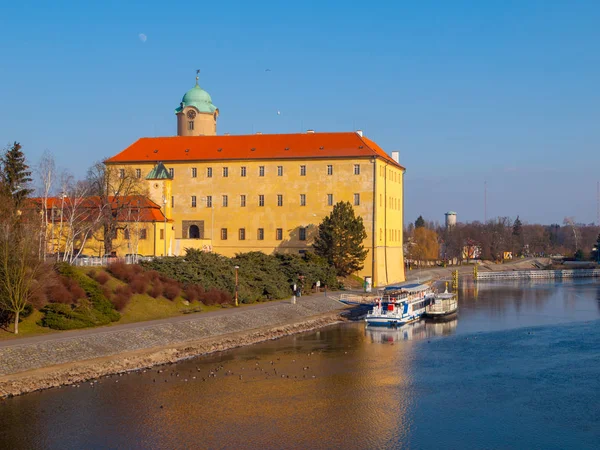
(19, 355)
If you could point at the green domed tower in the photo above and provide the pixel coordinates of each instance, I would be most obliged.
(196, 114)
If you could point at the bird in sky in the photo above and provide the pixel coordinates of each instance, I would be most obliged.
(267, 70)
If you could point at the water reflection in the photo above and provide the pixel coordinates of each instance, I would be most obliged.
(419, 330)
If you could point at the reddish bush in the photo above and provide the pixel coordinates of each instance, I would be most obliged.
(58, 293)
(39, 299)
(139, 284)
(74, 289)
(102, 278)
(107, 292)
(171, 291)
(216, 297)
(152, 276)
(121, 271)
(121, 298)
(193, 292)
(156, 290)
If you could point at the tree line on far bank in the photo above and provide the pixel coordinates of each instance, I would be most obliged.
(430, 242)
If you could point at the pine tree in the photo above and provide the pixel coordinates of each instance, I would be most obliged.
(517, 228)
(15, 174)
(420, 222)
(340, 239)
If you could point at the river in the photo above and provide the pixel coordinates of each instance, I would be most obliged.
(518, 368)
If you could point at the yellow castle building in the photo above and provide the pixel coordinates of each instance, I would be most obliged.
(265, 192)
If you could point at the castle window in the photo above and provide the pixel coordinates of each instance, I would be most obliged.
(190, 125)
(243, 171)
(225, 172)
(261, 200)
(143, 234)
(356, 199)
(242, 234)
(193, 201)
(279, 171)
(260, 235)
(261, 171)
(279, 200)
(279, 234)
(329, 199)
(172, 172)
(138, 173)
(243, 200)
(194, 172)
(302, 171)
(162, 233)
(223, 234)
(121, 173)
(209, 172)
(209, 201)
(225, 200)
(356, 169)
(302, 199)
(302, 233)
(329, 169)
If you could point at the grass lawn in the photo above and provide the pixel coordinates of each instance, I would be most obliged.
(27, 328)
(142, 307)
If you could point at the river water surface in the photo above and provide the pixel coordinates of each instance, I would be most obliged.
(518, 368)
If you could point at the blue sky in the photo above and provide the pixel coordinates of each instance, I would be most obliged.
(503, 91)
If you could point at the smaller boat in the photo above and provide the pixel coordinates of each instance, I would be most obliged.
(443, 306)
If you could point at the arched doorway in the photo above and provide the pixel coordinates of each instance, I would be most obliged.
(194, 232)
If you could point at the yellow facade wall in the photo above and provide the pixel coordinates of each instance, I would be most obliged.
(378, 185)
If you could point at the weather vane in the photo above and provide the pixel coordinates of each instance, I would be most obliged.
(197, 76)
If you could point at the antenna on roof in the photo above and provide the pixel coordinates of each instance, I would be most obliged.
(197, 76)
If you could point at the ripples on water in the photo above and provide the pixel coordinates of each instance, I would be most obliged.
(518, 368)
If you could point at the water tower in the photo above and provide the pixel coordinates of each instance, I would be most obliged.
(450, 219)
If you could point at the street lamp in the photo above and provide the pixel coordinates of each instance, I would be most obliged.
(236, 285)
(165, 228)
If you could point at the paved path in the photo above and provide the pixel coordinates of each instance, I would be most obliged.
(150, 323)
(49, 350)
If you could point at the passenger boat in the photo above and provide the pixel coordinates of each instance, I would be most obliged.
(399, 305)
(443, 306)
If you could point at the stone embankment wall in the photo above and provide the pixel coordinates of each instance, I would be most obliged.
(28, 367)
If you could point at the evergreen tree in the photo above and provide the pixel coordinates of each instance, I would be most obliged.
(420, 222)
(15, 174)
(596, 252)
(340, 239)
(517, 228)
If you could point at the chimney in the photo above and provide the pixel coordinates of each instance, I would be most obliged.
(359, 132)
(259, 132)
(310, 131)
(225, 134)
(396, 157)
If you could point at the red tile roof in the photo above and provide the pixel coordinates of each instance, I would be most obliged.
(142, 209)
(248, 147)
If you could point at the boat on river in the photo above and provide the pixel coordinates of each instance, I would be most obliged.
(444, 305)
(400, 305)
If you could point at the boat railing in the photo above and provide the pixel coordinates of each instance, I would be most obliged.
(354, 298)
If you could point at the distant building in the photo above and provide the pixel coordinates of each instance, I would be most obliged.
(450, 219)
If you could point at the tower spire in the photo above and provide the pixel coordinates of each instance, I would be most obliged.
(197, 76)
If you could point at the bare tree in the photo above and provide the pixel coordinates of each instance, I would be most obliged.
(116, 188)
(21, 269)
(46, 170)
(570, 221)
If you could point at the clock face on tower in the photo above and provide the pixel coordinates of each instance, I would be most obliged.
(191, 115)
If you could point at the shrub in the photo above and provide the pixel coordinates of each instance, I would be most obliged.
(171, 291)
(156, 290)
(121, 298)
(216, 297)
(152, 275)
(139, 284)
(193, 292)
(102, 278)
(124, 272)
(64, 317)
(58, 293)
